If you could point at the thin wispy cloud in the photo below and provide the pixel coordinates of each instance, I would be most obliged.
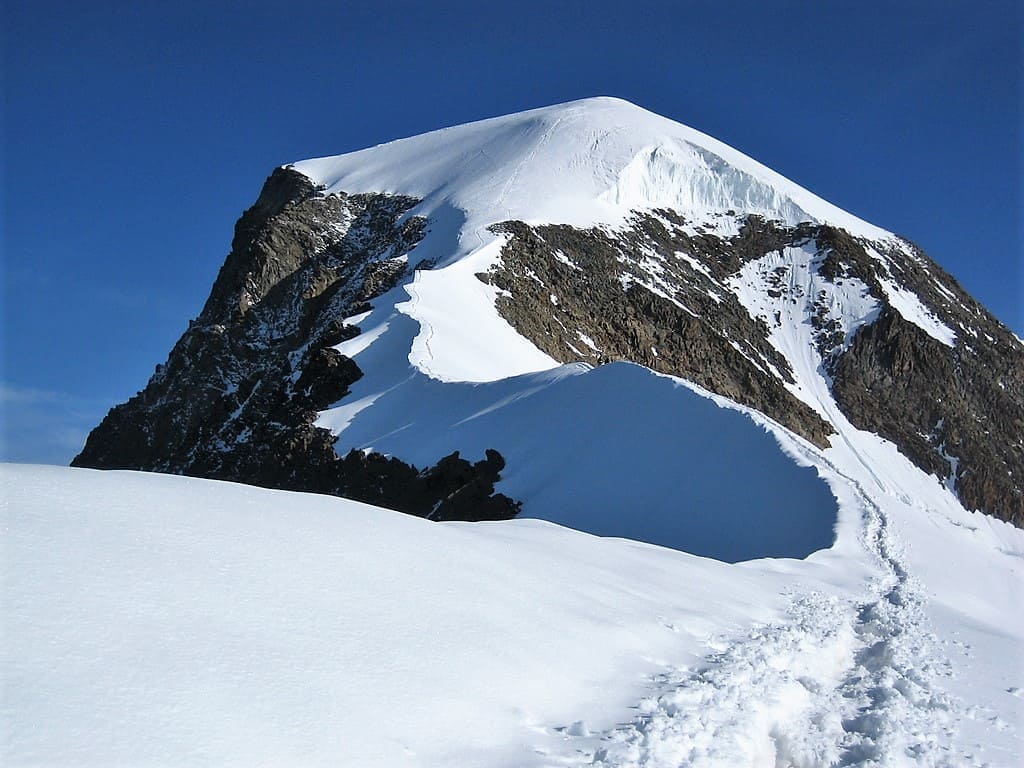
(43, 426)
(12, 394)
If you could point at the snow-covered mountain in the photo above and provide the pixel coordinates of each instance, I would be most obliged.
(594, 316)
(588, 232)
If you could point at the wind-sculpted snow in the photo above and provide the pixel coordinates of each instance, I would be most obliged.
(582, 163)
(615, 450)
(698, 184)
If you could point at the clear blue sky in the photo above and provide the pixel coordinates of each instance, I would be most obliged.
(135, 133)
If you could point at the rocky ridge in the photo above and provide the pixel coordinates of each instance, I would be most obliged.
(238, 395)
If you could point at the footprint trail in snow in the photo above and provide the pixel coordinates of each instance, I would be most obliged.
(834, 684)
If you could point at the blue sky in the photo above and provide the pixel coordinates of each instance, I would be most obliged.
(134, 134)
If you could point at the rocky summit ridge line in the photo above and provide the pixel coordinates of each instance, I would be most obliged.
(590, 232)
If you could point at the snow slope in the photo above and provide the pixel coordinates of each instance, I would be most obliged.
(615, 451)
(581, 163)
(152, 620)
(162, 620)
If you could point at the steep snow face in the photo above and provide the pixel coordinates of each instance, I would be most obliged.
(688, 178)
(585, 162)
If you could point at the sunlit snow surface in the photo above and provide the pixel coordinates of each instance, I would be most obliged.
(168, 621)
(616, 450)
(585, 162)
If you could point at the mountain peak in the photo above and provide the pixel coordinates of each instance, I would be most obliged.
(582, 163)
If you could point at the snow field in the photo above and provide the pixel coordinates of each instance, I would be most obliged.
(165, 620)
(156, 620)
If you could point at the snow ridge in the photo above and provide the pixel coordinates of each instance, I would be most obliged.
(592, 161)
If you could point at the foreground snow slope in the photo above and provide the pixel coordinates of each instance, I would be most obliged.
(156, 620)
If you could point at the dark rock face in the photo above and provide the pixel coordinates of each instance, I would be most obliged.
(690, 327)
(957, 412)
(657, 294)
(453, 489)
(936, 403)
(238, 395)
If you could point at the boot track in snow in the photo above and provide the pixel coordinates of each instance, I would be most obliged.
(837, 683)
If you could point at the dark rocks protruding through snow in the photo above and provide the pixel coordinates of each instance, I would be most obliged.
(239, 394)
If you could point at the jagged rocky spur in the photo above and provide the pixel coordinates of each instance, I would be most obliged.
(238, 395)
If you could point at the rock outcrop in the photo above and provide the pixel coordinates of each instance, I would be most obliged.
(661, 292)
(240, 391)
(639, 295)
